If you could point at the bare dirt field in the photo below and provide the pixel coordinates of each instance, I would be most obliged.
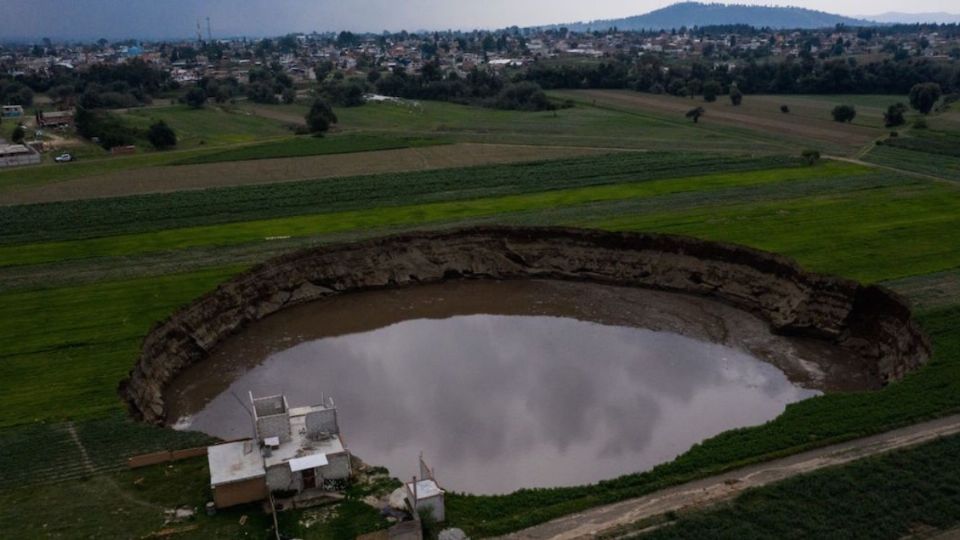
(187, 177)
(807, 121)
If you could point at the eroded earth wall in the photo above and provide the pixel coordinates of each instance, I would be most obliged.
(870, 321)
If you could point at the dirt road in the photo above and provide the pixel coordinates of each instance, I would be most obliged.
(710, 491)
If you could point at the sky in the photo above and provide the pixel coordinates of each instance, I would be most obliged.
(158, 19)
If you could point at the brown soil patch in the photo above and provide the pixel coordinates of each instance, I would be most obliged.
(267, 171)
(759, 115)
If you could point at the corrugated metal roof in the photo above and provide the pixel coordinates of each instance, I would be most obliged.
(308, 462)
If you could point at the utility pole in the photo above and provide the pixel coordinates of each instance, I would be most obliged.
(199, 35)
(209, 33)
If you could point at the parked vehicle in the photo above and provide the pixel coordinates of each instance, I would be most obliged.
(63, 158)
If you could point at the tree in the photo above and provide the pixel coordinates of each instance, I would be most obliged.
(811, 157)
(924, 96)
(18, 134)
(196, 97)
(844, 113)
(695, 114)
(320, 116)
(161, 136)
(289, 95)
(736, 96)
(711, 89)
(894, 115)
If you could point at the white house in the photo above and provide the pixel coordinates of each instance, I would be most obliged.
(426, 494)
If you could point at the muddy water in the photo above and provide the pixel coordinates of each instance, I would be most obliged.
(506, 385)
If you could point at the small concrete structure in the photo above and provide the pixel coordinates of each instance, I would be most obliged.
(11, 111)
(14, 155)
(294, 450)
(426, 494)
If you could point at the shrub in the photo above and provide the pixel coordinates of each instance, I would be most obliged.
(785, 109)
(19, 134)
(710, 91)
(524, 96)
(844, 113)
(894, 115)
(320, 116)
(924, 96)
(196, 97)
(810, 156)
(695, 114)
(161, 136)
(736, 96)
(920, 123)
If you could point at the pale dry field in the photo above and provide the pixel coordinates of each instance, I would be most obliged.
(190, 177)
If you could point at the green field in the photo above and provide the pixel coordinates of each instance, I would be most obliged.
(209, 126)
(908, 493)
(82, 282)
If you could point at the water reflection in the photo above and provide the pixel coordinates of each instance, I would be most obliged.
(503, 402)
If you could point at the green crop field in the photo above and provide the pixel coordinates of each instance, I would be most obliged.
(907, 494)
(82, 281)
(209, 125)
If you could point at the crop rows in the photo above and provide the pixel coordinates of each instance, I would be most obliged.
(310, 146)
(101, 217)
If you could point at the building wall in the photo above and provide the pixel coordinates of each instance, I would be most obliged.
(29, 158)
(274, 426)
(227, 495)
(322, 421)
(279, 478)
(435, 505)
(337, 467)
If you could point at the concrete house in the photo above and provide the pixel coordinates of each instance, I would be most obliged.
(426, 494)
(295, 451)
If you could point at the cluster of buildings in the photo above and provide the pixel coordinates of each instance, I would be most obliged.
(461, 52)
(296, 458)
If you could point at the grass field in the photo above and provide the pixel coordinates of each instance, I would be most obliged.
(907, 494)
(809, 123)
(209, 126)
(113, 267)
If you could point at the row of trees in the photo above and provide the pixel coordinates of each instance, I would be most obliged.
(806, 75)
(109, 130)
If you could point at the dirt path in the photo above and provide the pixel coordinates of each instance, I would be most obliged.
(889, 168)
(710, 491)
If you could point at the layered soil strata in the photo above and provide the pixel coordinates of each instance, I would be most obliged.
(869, 321)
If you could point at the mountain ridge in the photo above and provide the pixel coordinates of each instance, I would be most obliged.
(691, 14)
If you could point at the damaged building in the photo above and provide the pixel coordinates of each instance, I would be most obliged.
(294, 451)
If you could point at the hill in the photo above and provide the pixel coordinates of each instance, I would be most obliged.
(700, 14)
(915, 18)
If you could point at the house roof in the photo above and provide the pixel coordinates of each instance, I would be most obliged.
(425, 489)
(234, 462)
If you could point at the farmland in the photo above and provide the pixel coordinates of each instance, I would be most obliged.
(83, 279)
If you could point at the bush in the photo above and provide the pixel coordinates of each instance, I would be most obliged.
(525, 96)
(107, 128)
(894, 115)
(810, 156)
(345, 93)
(785, 109)
(920, 123)
(18, 135)
(695, 114)
(736, 96)
(161, 136)
(711, 89)
(320, 117)
(924, 96)
(844, 113)
(196, 97)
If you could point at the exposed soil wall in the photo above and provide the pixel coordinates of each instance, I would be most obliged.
(870, 321)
